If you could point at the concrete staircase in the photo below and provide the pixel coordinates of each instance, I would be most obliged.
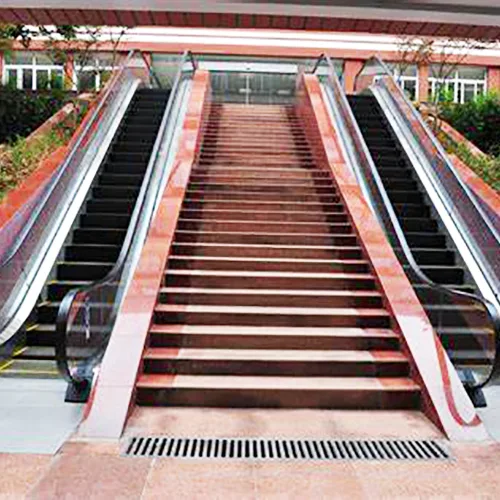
(268, 299)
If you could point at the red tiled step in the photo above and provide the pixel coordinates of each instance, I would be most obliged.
(257, 147)
(278, 156)
(231, 179)
(264, 215)
(278, 392)
(265, 205)
(271, 298)
(283, 142)
(237, 187)
(245, 226)
(268, 264)
(265, 238)
(244, 172)
(281, 280)
(231, 133)
(267, 337)
(244, 195)
(277, 362)
(268, 251)
(250, 161)
(272, 316)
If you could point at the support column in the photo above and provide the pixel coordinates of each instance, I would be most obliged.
(423, 83)
(494, 78)
(2, 58)
(351, 68)
(69, 74)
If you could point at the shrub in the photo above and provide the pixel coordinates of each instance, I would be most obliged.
(21, 112)
(20, 158)
(486, 167)
(478, 120)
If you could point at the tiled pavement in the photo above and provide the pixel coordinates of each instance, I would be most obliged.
(95, 470)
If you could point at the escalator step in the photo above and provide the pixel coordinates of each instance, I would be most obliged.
(115, 192)
(412, 210)
(110, 206)
(447, 275)
(67, 271)
(106, 220)
(426, 240)
(93, 253)
(419, 224)
(128, 157)
(434, 256)
(124, 168)
(406, 196)
(56, 290)
(125, 180)
(107, 236)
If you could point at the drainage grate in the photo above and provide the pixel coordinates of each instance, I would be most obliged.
(285, 449)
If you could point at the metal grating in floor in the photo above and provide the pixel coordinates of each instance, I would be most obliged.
(285, 449)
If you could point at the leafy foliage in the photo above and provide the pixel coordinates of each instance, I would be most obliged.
(478, 120)
(20, 159)
(487, 167)
(21, 112)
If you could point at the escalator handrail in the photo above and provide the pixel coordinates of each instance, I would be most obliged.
(75, 145)
(398, 231)
(443, 157)
(65, 308)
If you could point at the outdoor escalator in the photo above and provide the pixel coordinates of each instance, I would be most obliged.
(469, 342)
(96, 238)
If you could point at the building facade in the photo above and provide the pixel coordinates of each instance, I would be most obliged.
(477, 73)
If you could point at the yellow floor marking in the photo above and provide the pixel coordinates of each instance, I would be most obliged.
(36, 372)
(16, 353)
(32, 327)
(6, 365)
(20, 350)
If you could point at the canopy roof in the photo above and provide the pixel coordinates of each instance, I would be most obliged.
(458, 18)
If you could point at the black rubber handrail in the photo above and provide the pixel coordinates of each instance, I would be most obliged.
(390, 221)
(82, 378)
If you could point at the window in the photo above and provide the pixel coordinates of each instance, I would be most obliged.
(461, 84)
(31, 71)
(407, 77)
(93, 72)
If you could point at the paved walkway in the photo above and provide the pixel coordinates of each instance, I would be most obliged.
(95, 471)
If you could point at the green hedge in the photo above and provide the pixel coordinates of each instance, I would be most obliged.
(486, 167)
(22, 111)
(477, 120)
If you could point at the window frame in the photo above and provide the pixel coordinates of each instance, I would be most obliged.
(459, 84)
(34, 67)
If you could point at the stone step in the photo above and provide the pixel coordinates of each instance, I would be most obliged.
(275, 362)
(271, 298)
(272, 316)
(267, 337)
(278, 392)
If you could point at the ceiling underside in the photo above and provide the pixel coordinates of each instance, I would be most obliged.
(476, 21)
